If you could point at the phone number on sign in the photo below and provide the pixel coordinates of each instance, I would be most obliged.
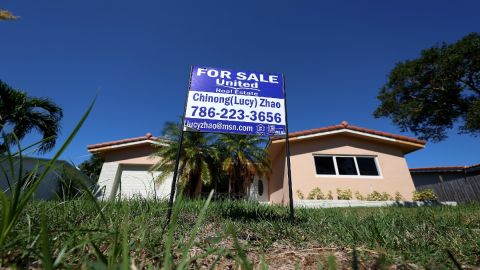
(234, 114)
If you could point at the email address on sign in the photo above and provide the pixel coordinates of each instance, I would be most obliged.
(218, 126)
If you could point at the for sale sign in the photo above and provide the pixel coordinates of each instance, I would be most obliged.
(229, 101)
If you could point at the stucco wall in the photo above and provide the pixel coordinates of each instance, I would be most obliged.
(393, 167)
(118, 173)
(139, 154)
(48, 188)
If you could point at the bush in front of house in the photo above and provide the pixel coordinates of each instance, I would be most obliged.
(344, 194)
(377, 196)
(398, 196)
(316, 194)
(425, 195)
(300, 194)
(330, 195)
(359, 196)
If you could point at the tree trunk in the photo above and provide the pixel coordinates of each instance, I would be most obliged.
(198, 187)
(229, 186)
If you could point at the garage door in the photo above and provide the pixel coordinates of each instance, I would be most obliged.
(137, 181)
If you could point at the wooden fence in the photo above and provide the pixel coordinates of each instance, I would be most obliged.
(462, 190)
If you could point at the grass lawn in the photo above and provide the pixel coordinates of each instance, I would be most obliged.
(76, 233)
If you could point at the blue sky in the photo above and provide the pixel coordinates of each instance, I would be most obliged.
(137, 54)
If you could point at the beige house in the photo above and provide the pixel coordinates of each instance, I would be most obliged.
(125, 172)
(345, 157)
(340, 156)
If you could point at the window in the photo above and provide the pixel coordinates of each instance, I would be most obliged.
(367, 166)
(346, 165)
(324, 165)
(260, 187)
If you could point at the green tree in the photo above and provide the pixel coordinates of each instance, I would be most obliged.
(21, 114)
(197, 159)
(428, 95)
(92, 167)
(243, 157)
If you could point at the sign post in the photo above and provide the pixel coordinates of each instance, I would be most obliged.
(228, 101)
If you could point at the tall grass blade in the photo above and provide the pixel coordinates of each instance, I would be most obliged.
(332, 262)
(241, 255)
(455, 262)
(18, 199)
(263, 263)
(354, 259)
(125, 251)
(51, 163)
(99, 253)
(46, 249)
(193, 233)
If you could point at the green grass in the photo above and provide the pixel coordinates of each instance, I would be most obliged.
(422, 236)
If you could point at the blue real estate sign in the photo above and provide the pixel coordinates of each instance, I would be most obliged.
(228, 101)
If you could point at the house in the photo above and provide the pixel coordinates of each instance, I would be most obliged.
(341, 156)
(125, 172)
(423, 177)
(450, 183)
(345, 157)
(50, 187)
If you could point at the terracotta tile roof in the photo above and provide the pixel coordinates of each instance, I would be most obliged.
(146, 137)
(345, 125)
(446, 168)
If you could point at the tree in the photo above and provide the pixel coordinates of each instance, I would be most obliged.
(21, 114)
(243, 157)
(197, 159)
(92, 167)
(428, 95)
(6, 15)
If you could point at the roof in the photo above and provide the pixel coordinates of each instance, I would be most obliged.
(406, 144)
(345, 126)
(446, 169)
(146, 139)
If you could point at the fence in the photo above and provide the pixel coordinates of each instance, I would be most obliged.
(462, 190)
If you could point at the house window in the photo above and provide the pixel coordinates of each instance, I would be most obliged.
(324, 165)
(367, 166)
(346, 165)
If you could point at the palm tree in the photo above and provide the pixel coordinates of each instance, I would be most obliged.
(197, 159)
(244, 157)
(23, 114)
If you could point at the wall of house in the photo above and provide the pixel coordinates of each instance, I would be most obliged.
(125, 174)
(47, 189)
(395, 175)
(139, 154)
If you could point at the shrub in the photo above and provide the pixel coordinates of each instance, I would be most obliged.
(374, 196)
(344, 194)
(330, 195)
(386, 197)
(425, 195)
(377, 196)
(316, 194)
(359, 196)
(300, 194)
(398, 196)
